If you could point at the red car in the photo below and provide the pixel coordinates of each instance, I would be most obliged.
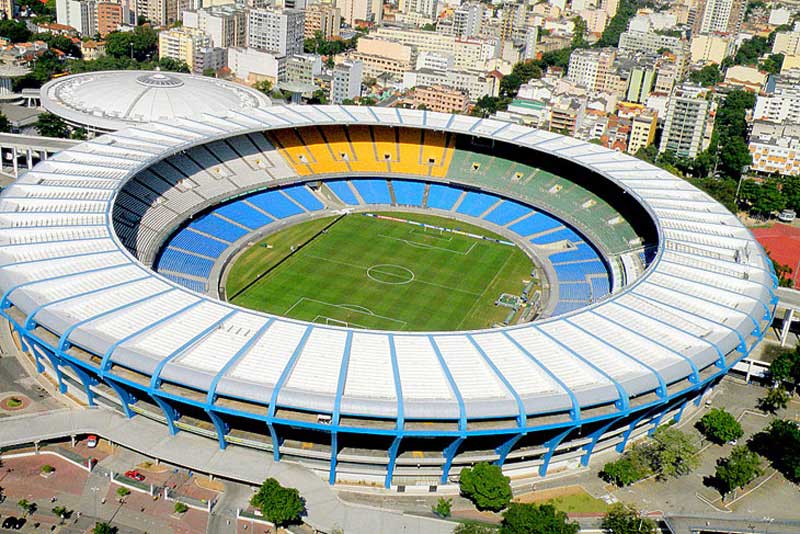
(135, 475)
(91, 441)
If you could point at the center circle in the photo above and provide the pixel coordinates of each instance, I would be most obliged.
(388, 273)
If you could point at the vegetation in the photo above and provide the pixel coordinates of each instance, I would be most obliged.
(669, 453)
(618, 23)
(624, 519)
(737, 470)
(181, 508)
(47, 468)
(50, 125)
(62, 512)
(278, 504)
(708, 76)
(521, 73)
(474, 528)
(777, 398)
(719, 426)
(14, 402)
(538, 518)
(486, 486)
(103, 528)
(443, 507)
(27, 507)
(786, 367)
(319, 45)
(751, 50)
(780, 444)
(15, 31)
(630, 468)
(123, 492)
(141, 44)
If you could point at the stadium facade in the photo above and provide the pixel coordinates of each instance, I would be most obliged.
(689, 291)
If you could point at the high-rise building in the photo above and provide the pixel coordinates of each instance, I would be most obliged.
(590, 67)
(80, 14)
(323, 18)
(643, 131)
(164, 12)
(303, 68)
(428, 9)
(192, 46)
(467, 19)
(355, 10)
(110, 16)
(277, 30)
(686, 121)
(346, 83)
(226, 25)
(724, 16)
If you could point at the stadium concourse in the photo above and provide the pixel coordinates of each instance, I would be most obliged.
(690, 292)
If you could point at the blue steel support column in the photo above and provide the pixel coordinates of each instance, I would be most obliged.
(85, 379)
(54, 363)
(337, 407)
(503, 449)
(552, 445)
(449, 454)
(170, 413)
(677, 418)
(27, 346)
(627, 434)
(450, 451)
(125, 398)
(220, 426)
(398, 388)
(595, 436)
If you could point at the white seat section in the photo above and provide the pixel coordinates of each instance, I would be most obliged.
(90, 306)
(369, 370)
(210, 164)
(278, 167)
(267, 358)
(421, 374)
(317, 368)
(135, 318)
(165, 339)
(57, 289)
(717, 267)
(708, 310)
(213, 351)
(64, 266)
(603, 356)
(627, 341)
(473, 377)
(43, 251)
(670, 334)
(721, 245)
(706, 228)
(525, 376)
(562, 363)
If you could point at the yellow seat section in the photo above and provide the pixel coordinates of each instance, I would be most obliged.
(386, 145)
(324, 162)
(441, 170)
(436, 148)
(338, 143)
(366, 159)
(409, 161)
(292, 148)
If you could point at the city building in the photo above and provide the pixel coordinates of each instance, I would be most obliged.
(110, 16)
(687, 117)
(724, 16)
(711, 48)
(226, 25)
(91, 50)
(324, 19)
(780, 104)
(346, 83)
(643, 131)
(303, 68)
(632, 41)
(79, 14)
(278, 31)
(787, 43)
(441, 99)
(591, 67)
(775, 155)
(476, 84)
(353, 11)
(193, 47)
(253, 65)
(383, 58)
(162, 12)
(468, 19)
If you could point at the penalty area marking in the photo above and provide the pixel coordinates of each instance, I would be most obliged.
(426, 246)
(349, 307)
(403, 275)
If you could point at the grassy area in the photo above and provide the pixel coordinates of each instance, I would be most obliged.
(381, 274)
(569, 499)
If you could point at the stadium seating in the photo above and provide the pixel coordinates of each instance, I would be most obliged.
(341, 189)
(534, 224)
(408, 193)
(302, 196)
(212, 225)
(244, 214)
(191, 241)
(275, 203)
(506, 212)
(174, 261)
(442, 197)
(373, 191)
(475, 204)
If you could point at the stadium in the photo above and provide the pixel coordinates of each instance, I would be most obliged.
(642, 291)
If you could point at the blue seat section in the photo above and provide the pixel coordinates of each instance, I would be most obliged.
(600, 287)
(194, 242)
(194, 285)
(342, 190)
(535, 224)
(215, 226)
(408, 193)
(304, 197)
(442, 196)
(506, 212)
(476, 203)
(181, 262)
(274, 203)
(566, 306)
(594, 267)
(373, 191)
(560, 235)
(570, 272)
(581, 252)
(243, 214)
(578, 291)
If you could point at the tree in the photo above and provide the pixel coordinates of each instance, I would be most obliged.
(737, 470)
(750, 50)
(780, 444)
(50, 125)
(62, 512)
(673, 453)
(541, 519)
(772, 63)
(278, 504)
(181, 508)
(123, 492)
(719, 426)
(486, 486)
(618, 23)
(473, 528)
(786, 367)
(79, 134)
(27, 507)
(630, 468)
(429, 27)
(443, 507)
(265, 86)
(210, 73)
(140, 44)
(776, 399)
(15, 31)
(707, 76)
(624, 519)
(103, 528)
(5, 124)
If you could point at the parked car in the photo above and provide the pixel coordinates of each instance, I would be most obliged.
(135, 475)
(91, 441)
(787, 216)
(10, 522)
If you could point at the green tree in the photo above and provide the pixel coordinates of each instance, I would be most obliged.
(672, 453)
(265, 86)
(429, 27)
(618, 23)
(50, 125)
(181, 508)
(624, 519)
(210, 73)
(79, 134)
(103, 528)
(486, 486)
(141, 43)
(762, 199)
(26, 507)
(719, 426)
(279, 505)
(15, 31)
(444, 507)
(750, 50)
(5, 124)
(536, 518)
(776, 399)
(780, 444)
(579, 33)
(786, 367)
(123, 492)
(62, 513)
(630, 468)
(707, 76)
(772, 63)
(737, 470)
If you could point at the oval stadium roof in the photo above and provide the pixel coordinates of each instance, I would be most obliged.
(111, 100)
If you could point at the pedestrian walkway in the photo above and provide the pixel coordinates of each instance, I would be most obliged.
(325, 511)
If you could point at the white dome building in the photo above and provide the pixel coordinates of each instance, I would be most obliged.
(111, 100)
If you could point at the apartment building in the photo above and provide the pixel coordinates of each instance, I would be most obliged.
(591, 67)
(226, 25)
(687, 117)
(441, 98)
(323, 18)
(277, 30)
(346, 82)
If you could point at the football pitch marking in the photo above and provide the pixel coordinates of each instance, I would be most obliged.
(406, 277)
(349, 307)
(426, 246)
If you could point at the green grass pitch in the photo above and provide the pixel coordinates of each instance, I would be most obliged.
(372, 273)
